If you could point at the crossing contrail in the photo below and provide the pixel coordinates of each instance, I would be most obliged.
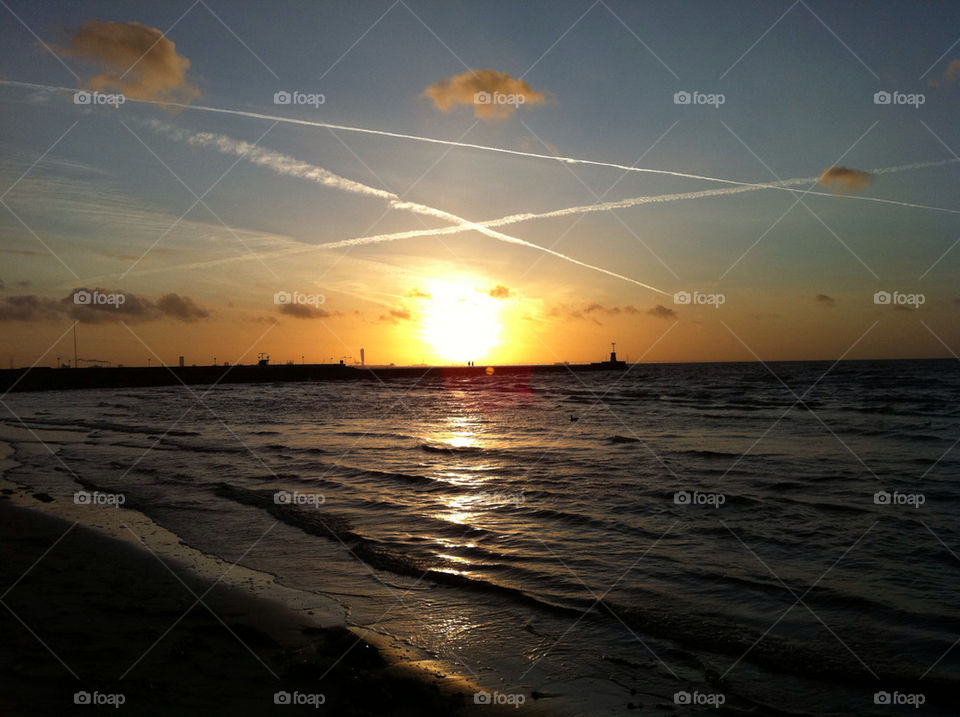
(290, 166)
(293, 167)
(637, 201)
(782, 186)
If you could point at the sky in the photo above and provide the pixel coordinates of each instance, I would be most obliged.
(498, 182)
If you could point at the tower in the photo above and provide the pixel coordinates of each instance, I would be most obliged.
(362, 358)
(613, 352)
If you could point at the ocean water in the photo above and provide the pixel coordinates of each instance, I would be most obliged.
(775, 538)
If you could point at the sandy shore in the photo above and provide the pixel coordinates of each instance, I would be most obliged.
(87, 613)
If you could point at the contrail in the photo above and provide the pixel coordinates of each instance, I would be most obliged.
(287, 165)
(290, 166)
(482, 147)
(637, 201)
(296, 168)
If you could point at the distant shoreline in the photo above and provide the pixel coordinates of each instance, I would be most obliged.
(63, 379)
(45, 378)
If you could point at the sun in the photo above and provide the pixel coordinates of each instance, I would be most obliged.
(460, 321)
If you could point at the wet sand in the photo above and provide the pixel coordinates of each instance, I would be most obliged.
(84, 612)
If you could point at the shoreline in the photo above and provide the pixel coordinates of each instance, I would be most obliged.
(45, 378)
(93, 612)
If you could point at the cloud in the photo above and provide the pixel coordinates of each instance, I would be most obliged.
(845, 179)
(949, 75)
(594, 311)
(181, 307)
(825, 300)
(304, 311)
(395, 315)
(610, 310)
(492, 94)
(137, 60)
(662, 312)
(952, 72)
(130, 308)
(500, 292)
(417, 294)
(29, 308)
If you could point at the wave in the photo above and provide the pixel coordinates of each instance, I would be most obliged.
(430, 447)
(374, 553)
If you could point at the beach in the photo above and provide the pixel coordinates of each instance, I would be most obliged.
(95, 618)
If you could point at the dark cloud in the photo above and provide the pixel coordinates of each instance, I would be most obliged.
(417, 294)
(29, 308)
(592, 311)
(122, 306)
(304, 311)
(395, 316)
(138, 61)
(181, 307)
(500, 292)
(825, 300)
(662, 312)
(474, 86)
(845, 179)
(600, 308)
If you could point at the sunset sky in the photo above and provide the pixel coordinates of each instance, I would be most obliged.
(106, 198)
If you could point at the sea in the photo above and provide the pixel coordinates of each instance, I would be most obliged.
(773, 538)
